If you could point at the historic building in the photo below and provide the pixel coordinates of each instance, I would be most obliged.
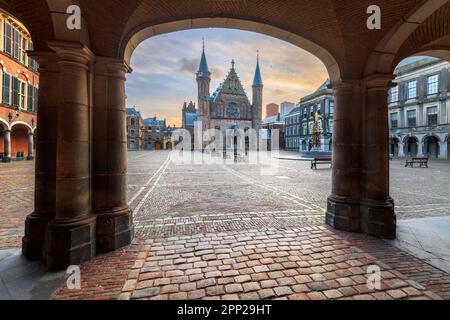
(285, 108)
(272, 109)
(270, 124)
(419, 110)
(154, 132)
(134, 129)
(228, 107)
(322, 103)
(292, 129)
(146, 134)
(189, 117)
(19, 92)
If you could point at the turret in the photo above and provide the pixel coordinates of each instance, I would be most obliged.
(257, 101)
(203, 83)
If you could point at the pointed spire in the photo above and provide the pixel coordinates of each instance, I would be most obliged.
(232, 64)
(203, 70)
(257, 81)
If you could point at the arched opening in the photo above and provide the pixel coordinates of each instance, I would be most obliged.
(20, 142)
(3, 128)
(394, 146)
(431, 144)
(411, 147)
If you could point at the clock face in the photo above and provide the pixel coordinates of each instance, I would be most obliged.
(232, 110)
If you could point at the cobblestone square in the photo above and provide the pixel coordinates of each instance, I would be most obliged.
(228, 232)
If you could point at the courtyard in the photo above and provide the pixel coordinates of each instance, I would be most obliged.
(228, 232)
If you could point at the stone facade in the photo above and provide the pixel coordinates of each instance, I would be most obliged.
(419, 110)
(146, 134)
(228, 107)
(321, 102)
(19, 90)
(292, 129)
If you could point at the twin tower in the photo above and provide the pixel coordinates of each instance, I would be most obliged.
(228, 107)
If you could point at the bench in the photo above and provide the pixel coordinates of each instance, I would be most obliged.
(319, 160)
(423, 162)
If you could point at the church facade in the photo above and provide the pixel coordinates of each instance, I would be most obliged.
(229, 106)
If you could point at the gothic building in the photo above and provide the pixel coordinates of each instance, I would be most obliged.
(228, 107)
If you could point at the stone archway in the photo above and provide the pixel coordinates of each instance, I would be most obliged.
(411, 146)
(431, 146)
(394, 146)
(82, 79)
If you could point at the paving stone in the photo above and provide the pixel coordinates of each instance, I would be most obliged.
(233, 288)
(282, 291)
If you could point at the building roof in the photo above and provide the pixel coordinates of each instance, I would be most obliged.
(324, 89)
(257, 80)
(294, 111)
(154, 122)
(415, 65)
(272, 119)
(133, 112)
(231, 85)
(203, 70)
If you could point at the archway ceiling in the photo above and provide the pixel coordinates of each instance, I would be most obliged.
(432, 35)
(337, 26)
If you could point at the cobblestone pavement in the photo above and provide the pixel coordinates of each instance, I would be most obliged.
(228, 232)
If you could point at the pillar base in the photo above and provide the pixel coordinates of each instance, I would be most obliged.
(378, 219)
(34, 239)
(115, 229)
(69, 243)
(343, 213)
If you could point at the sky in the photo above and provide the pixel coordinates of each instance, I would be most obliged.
(164, 69)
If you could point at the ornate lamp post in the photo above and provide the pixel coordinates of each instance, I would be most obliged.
(316, 133)
(7, 141)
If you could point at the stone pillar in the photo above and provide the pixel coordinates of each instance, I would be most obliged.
(443, 153)
(70, 237)
(343, 204)
(114, 219)
(45, 164)
(7, 146)
(401, 148)
(377, 208)
(30, 146)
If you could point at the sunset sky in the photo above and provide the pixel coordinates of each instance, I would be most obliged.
(164, 69)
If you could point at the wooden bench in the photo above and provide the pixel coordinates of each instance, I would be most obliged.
(320, 160)
(423, 162)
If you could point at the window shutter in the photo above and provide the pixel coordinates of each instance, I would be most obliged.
(30, 98)
(36, 99)
(16, 43)
(7, 38)
(15, 92)
(6, 88)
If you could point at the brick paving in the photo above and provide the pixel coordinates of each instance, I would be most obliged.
(228, 232)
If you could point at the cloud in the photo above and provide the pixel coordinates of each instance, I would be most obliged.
(165, 66)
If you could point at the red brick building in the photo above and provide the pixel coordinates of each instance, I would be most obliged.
(272, 109)
(19, 89)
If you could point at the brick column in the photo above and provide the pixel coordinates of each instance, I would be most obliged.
(377, 208)
(343, 204)
(114, 219)
(70, 237)
(45, 163)
(7, 145)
